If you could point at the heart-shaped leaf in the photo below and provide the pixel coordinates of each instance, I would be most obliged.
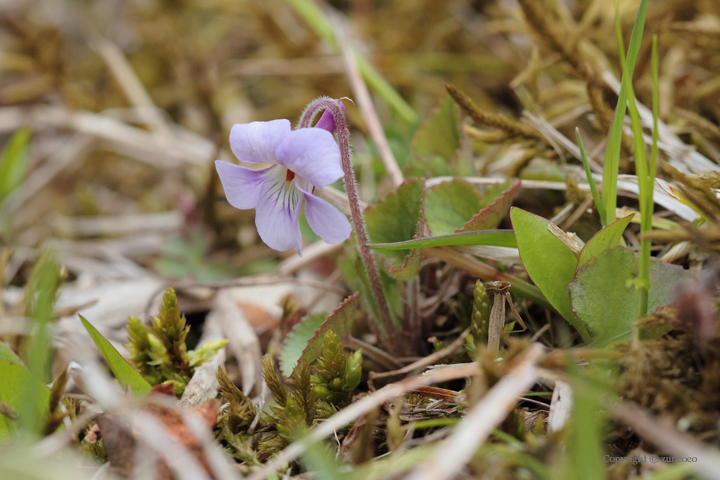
(304, 342)
(450, 205)
(605, 299)
(548, 261)
(456, 206)
(396, 218)
(606, 238)
(123, 371)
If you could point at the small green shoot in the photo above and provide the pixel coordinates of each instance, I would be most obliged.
(612, 154)
(41, 292)
(591, 181)
(644, 172)
(13, 163)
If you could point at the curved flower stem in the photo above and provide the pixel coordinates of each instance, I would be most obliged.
(343, 135)
(311, 111)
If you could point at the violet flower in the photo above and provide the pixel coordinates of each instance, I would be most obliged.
(303, 160)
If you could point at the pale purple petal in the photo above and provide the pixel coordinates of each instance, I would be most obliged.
(311, 153)
(256, 142)
(276, 215)
(325, 220)
(327, 120)
(242, 185)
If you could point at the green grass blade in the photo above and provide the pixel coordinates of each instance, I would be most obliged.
(656, 110)
(612, 154)
(13, 162)
(123, 371)
(496, 238)
(41, 291)
(647, 173)
(588, 173)
(641, 167)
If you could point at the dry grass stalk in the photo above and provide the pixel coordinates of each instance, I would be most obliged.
(496, 323)
(467, 263)
(554, 35)
(431, 359)
(203, 385)
(560, 406)
(569, 239)
(242, 340)
(186, 148)
(132, 86)
(511, 127)
(452, 456)
(72, 152)
(367, 108)
(670, 440)
(699, 122)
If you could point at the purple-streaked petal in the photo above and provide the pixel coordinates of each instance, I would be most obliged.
(277, 211)
(327, 120)
(325, 220)
(256, 142)
(242, 185)
(311, 153)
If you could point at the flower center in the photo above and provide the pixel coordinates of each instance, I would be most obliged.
(289, 175)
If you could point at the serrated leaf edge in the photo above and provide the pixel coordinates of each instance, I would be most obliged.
(512, 191)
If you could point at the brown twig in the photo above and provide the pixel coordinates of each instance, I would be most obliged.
(366, 107)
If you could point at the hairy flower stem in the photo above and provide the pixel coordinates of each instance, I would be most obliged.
(343, 136)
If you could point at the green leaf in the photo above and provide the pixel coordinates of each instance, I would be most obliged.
(18, 387)
(440, 134)
(456, 206)
(608, 237)
(409, 268)
(499, 199)
(306, 340)
(497, 238)
(395, 218)
(548, 261)
(123, 371)
(7, 354)
(296, 341)
(13, 162)
(605, 299)
(450, 205)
